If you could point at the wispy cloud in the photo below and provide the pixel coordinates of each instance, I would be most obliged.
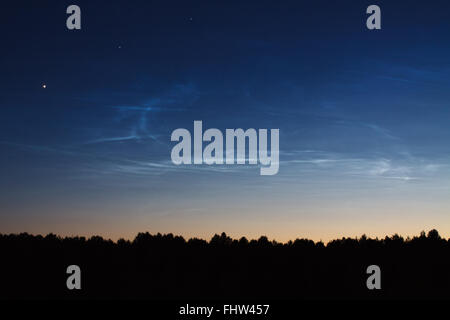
(405, 168)
(381, 131)
(114, 139)
(404, 73)
(135, 119)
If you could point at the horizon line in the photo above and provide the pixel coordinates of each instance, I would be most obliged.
(223, 235)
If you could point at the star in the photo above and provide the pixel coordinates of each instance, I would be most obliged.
(44, 86)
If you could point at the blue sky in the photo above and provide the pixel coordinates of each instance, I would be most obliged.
(363, 118)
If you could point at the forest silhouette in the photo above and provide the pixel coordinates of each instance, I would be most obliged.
(169, 267)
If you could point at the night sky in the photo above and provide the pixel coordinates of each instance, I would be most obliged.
(86, 117)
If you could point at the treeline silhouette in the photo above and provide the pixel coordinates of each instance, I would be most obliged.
(169, 267)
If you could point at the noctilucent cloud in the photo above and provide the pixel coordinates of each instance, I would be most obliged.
(86, 117)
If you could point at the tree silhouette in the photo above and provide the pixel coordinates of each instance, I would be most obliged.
(165, 266)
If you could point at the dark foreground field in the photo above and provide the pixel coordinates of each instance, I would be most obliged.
(168, 267)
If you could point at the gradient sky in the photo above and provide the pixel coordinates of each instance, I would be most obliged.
(364, 117)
